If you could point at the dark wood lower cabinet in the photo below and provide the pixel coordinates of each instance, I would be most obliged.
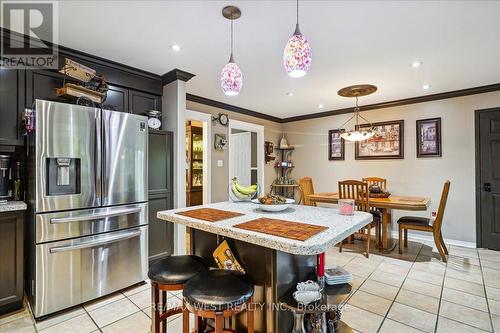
(11, 261)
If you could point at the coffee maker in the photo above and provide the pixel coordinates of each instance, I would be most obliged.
(4, 177)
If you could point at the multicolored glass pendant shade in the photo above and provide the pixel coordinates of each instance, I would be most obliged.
(297, 55)
(231, 78)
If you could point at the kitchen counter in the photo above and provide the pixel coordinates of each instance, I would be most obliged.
(275, 264)
(339, 226)
(11, 206)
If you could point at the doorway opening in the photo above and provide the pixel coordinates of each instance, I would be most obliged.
(198, 135)
(246, 153)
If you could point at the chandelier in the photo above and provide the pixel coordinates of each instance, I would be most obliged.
(357, 133)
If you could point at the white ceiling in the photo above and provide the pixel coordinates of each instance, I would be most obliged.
(352, 42)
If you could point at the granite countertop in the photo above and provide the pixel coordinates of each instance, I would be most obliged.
(339, 226)
(11, 206)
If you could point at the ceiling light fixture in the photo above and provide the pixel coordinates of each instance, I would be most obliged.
(357, 134)
(231, 78)
(297, 55)
(426, 86)
(320, 106)
(175, 47)
(290, 93)
(417, 64)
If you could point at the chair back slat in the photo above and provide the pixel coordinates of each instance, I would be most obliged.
(356, 190)
(442, 205)
(306, 188)
(381, 182)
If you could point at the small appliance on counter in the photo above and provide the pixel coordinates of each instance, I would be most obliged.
(4, 177)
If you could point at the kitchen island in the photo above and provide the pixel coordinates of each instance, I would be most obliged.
(275, 263)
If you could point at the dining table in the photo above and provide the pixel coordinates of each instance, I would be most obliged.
(386, 206)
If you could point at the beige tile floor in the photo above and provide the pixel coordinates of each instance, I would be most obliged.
(413, 292)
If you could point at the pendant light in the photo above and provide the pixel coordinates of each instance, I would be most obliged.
(297, 55)
(231, 79)
(356, 133)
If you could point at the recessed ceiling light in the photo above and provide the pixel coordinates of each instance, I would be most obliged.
(426, 86)
(417, 64)
(320, 106)
(290, 93)
(175, 47)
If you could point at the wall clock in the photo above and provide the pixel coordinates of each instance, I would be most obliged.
(223, 119)
(154, 121)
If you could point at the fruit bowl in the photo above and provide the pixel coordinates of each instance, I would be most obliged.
(274, 207)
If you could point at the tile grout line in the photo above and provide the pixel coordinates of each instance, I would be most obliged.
(399, 290)
(441, 295)
(486, 296)
(88, 314)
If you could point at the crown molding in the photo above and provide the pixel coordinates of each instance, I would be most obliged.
(174, 75)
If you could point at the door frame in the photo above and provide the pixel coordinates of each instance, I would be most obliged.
(479, 231)
(206, 118)
(259, 129)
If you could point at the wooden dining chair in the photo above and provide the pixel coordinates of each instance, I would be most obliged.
(306, 188)
(381, 182)
(358, 191)
(425, 224)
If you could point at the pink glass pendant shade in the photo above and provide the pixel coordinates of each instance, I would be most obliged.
(297, 55)
(231, 78)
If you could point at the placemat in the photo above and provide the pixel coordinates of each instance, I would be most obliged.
(209, 214)
(282, 228)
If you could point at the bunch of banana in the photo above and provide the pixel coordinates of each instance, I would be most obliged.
(242, 192)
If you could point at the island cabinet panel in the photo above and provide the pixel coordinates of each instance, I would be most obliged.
(140, 102)
(160, 193)
(11, 268)
(117, 99)
(11, 106)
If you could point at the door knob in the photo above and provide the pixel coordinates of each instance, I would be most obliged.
(487, 187)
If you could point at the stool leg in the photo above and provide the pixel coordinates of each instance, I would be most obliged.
(219, 323)
(164, 303)
(185, 318)
(250, 317)
(155, 315)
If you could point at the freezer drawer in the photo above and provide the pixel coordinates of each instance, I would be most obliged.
(68, 161)
(75, 271)
(125, 158)
(64, 225)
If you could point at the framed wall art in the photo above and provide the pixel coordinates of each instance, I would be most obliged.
(429, 137)
(387, 143)
(336, 146)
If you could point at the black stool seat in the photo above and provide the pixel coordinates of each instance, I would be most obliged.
(218, 290)
(415, 221)
(377, 215)
(177, 269)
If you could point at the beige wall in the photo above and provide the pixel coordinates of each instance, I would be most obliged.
(411, 175)
(220, 175)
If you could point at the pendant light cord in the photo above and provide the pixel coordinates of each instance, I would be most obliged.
(297, 11)
(232, 32)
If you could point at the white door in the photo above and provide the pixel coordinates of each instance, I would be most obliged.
(241, 157)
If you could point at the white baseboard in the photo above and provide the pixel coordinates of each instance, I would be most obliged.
(417, 237)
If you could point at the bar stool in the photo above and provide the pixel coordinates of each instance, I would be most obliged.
(217, 295)
(170, 274)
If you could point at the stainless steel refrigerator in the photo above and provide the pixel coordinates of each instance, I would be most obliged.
(87, 198)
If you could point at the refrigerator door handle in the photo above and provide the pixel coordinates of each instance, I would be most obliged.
(121, 212)
(94, 243)
(98, 158)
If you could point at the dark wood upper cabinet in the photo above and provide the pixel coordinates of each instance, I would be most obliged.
(42, 84)
(11, 106)
(117, 99)
(140, 102)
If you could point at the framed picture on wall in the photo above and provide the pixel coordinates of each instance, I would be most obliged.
(387, 143)
(429, 137)
(336, 146)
